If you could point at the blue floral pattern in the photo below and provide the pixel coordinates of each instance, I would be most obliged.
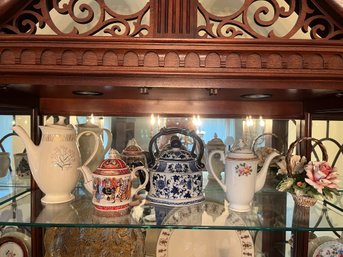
(175, 167)
(176, 155)
(159, 183)
(177, 186)
(176, 177)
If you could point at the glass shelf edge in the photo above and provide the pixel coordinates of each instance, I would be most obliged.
(31, 222)
(5, 200)
(140, 226)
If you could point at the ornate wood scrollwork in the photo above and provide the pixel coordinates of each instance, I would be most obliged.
(259, 19)
(84, 18)
(264, 18)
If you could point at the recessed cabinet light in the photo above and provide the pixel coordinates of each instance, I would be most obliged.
(87, 93)
(256, 96)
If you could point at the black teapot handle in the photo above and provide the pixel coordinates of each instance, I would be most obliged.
(183, 131)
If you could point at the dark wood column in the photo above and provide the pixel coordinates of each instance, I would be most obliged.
(301, 214)
(37, 233)
(174, 18)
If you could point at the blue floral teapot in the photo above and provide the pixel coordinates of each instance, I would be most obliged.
(175, 172)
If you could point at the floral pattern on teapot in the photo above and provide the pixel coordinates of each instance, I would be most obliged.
(177, 186)
(243, 169)
(176, 161)
(176, 155)
(176, 167)
(54, 163)
(176, 173)
(63, 157)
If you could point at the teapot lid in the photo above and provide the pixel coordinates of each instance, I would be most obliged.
(215, 143)
(241, 151)
(88, 124)
(176, 151)
(113, 164)
(60, 124)
(132, 148)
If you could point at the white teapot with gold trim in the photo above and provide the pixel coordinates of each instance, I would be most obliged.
(55, 161)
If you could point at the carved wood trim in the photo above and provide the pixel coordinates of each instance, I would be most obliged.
(208, 59)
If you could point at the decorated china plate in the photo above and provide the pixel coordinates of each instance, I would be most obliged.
(12, 246)
(203, 243)
(332, 248)
(316, 242)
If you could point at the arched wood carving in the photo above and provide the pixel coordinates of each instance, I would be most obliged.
(169, 58)
(200, 58)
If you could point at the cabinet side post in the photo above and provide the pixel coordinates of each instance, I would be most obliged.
(300, 239)
(36, 194)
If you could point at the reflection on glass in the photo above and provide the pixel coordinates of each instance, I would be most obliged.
(142, 129)
(126, 7)
(331, 134)
(221, 7)
(10, 143)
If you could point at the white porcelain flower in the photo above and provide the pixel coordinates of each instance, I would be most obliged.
(297, 164)
(281, 163)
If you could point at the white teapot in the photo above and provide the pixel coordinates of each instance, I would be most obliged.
(86, 143)
(241, 178)
(54, 162)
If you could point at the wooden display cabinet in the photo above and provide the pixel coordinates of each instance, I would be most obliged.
(174, 65)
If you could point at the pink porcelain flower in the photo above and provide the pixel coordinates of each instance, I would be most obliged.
(321, 175)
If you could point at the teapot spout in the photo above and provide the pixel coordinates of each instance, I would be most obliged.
(31, 149)
(262, 175)
(87, 178)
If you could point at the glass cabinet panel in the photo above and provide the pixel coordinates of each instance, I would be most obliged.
(15, 170)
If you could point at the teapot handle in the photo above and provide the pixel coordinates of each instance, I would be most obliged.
(95, 148)
(211, 169)
(143, 185)
(186, 132)
(109, 139)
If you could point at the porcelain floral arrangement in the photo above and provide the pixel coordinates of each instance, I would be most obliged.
(316, 179)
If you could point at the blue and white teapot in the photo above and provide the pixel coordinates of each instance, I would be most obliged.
(175, 172)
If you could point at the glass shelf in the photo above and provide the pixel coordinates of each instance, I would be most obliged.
(15, 181)
(10, 193)
(271, 211)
